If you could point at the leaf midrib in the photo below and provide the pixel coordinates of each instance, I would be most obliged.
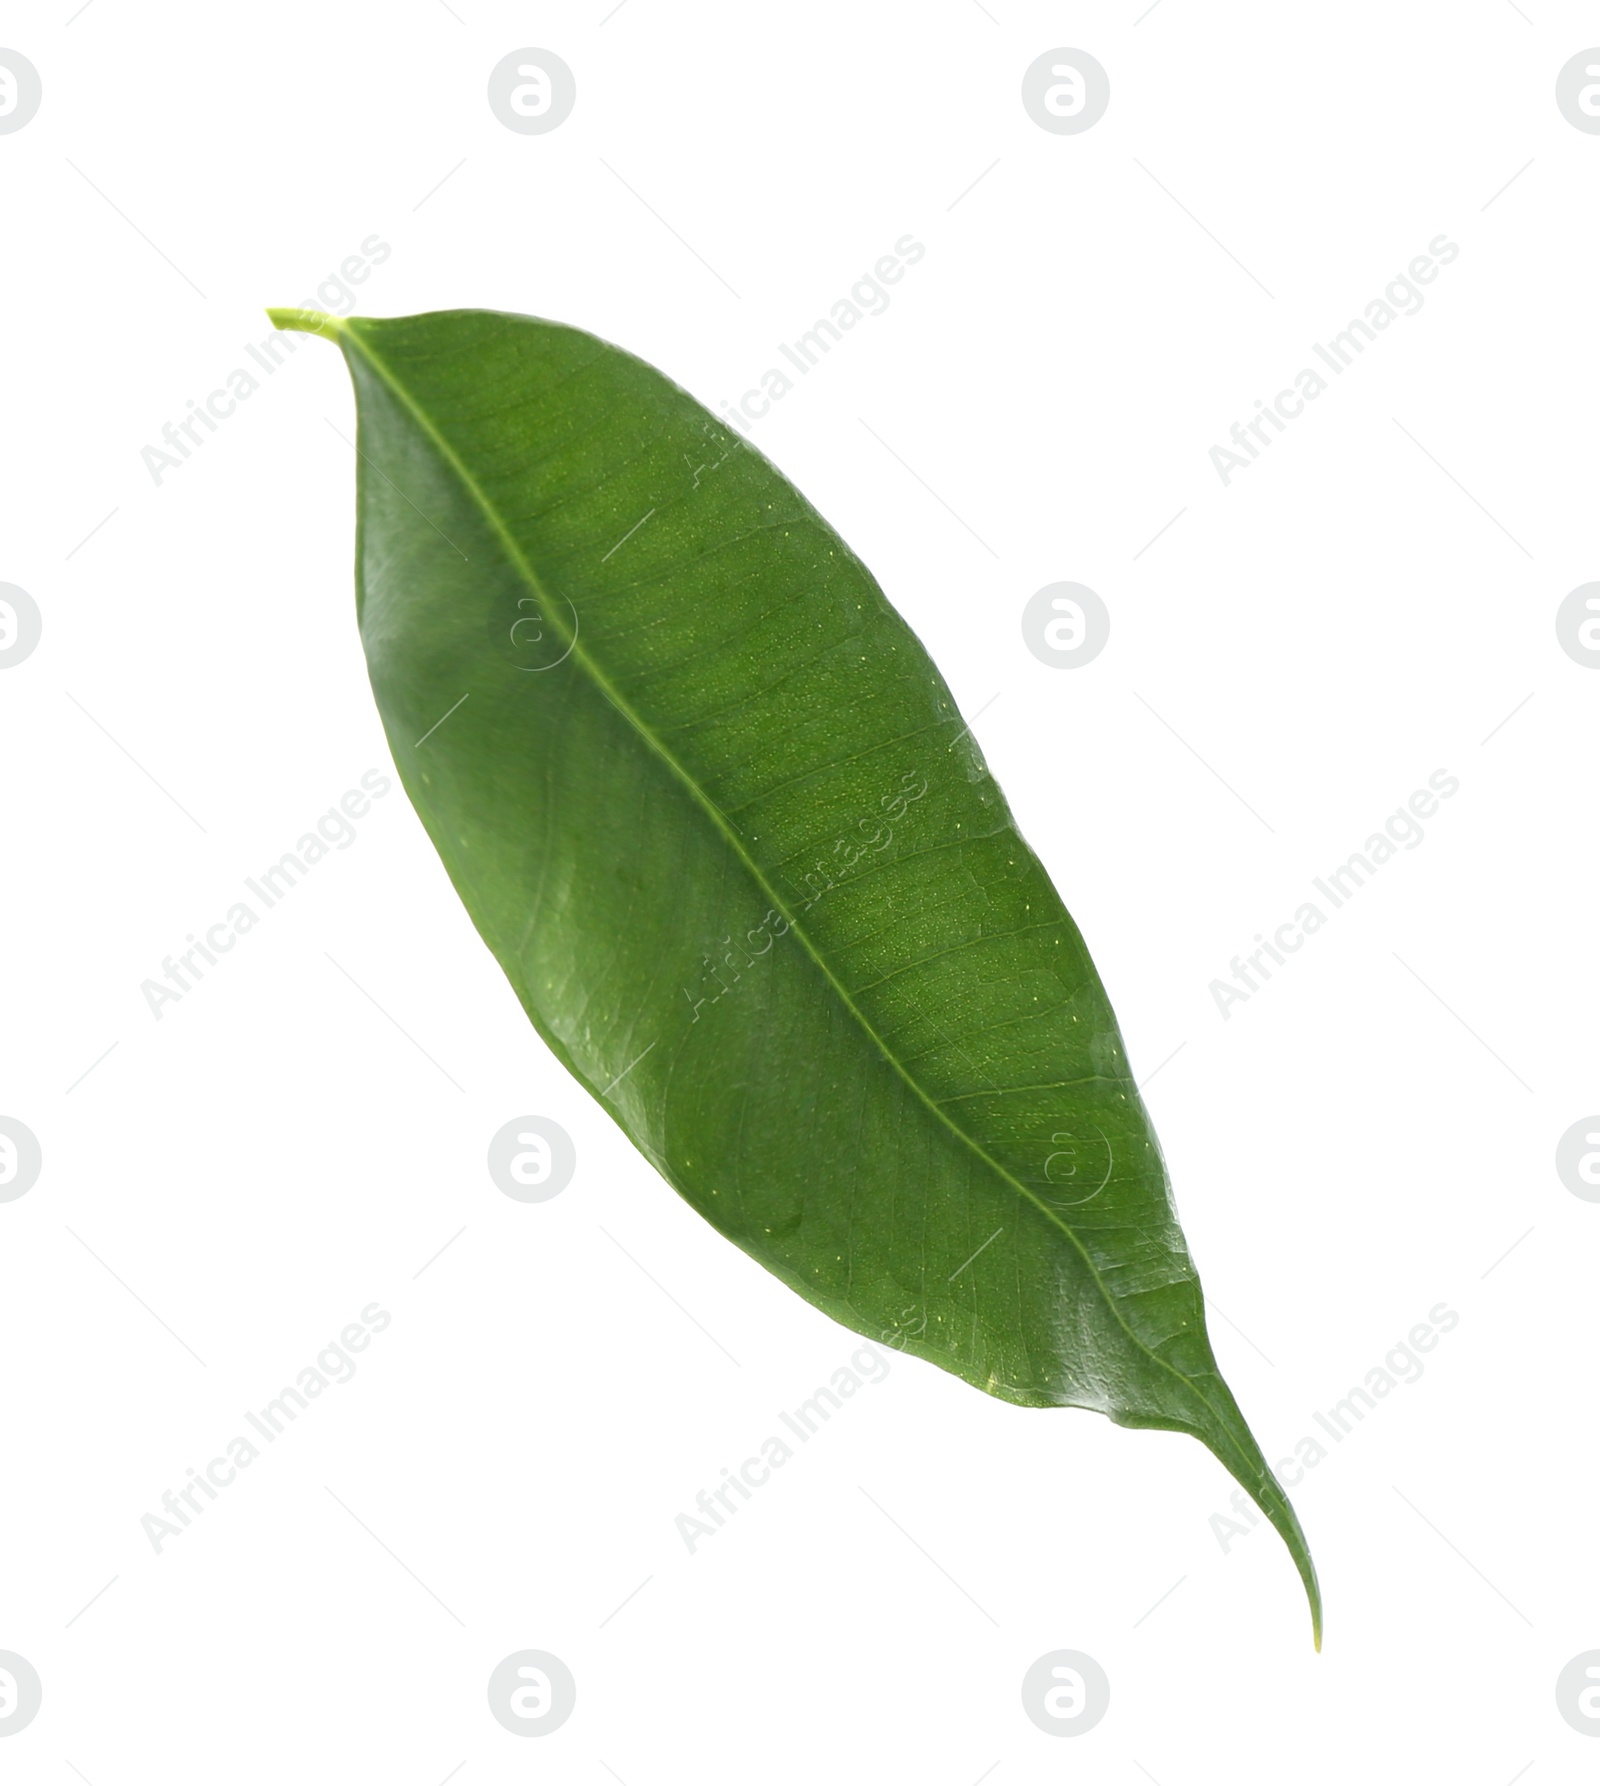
(345, 332)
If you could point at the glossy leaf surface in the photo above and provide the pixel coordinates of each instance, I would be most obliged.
(714, 810)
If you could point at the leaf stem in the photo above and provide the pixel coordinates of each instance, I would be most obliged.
(306, 322)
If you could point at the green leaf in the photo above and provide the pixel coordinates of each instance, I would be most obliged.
(713, 809)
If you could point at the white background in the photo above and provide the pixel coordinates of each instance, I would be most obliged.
(1291, 658)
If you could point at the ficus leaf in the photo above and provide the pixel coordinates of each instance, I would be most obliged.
(713, 809)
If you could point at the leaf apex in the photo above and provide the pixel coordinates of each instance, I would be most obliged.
(306, 322)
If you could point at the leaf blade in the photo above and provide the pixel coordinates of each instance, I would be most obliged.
(711, 700)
